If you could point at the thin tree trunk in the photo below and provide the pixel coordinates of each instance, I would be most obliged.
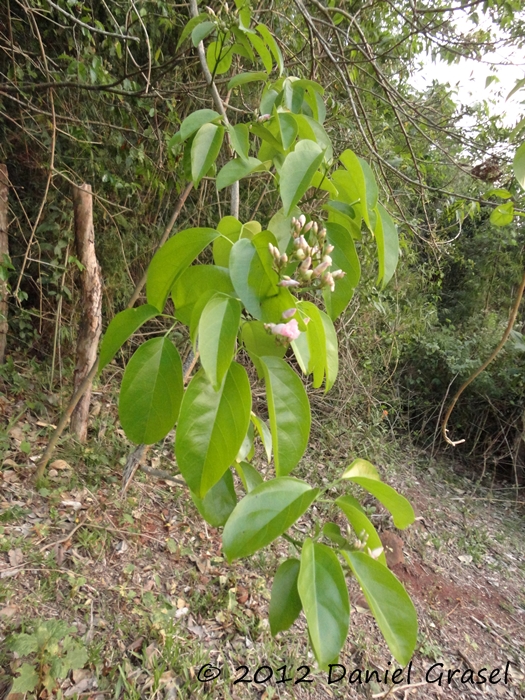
(91, 322)
(4, 258)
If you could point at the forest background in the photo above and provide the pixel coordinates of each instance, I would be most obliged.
(94, 92)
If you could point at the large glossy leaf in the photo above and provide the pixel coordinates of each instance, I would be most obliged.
(324, 595)
(151, 391)
(503, 214)
(344, 257)
(258, 342)
(332, 351)
(285, 603)
(361, 524)
(356, 188)
(205, 149)
(219, 502)
(401, 510)
(289, 411)
(196, 280)
(201, 31)
(212, 427)
(316, 342)
(172, 259)
(280, 225)
(372, 190)
(387, 242)
(218, 327)
(231, 229)
(122, 327)
(235, 170)
(297, 172)
(240, 139)
(190, 26)
(265, 56)
(243, 78)
(272, 45)
(218, 59)
(288, 127)
(519, 165)
(264, 514)
(195, 120)
(312, 130)
(389, 602)
(250, 279)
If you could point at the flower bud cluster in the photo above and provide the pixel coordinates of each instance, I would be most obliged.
(312, 251)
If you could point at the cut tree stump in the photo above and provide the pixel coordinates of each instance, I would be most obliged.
(91, 288)
(4, 258)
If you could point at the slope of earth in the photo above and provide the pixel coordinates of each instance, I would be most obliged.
(150, 599)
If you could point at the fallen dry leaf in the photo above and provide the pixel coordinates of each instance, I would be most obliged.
(16, 558)
(60, 464)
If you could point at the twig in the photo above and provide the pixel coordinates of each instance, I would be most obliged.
(96, 30)
(64, 539)
(510, 324)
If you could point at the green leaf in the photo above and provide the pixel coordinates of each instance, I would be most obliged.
(372, 191)
(259, 45)
(272, 45)
(23, 644)
(324, 596)
(332, 352)
(205, 149)
(218, 327)
(235, 170)
(316, 355)
(122, 327)
(231, 229)
(195, 120)
(285, 603)
(297, 171)
(240, 139)
(172, 259)
(243, 78)
(361, 467)
(264, 514)
(312, 130)
(264, 433)
(249, 476)
(389, 602)
(387, 243)
(503, 214)
(190, 26)
(218, 60)
(249, 277)
(289, 412)
(281, 225)
(355, 182)
(196, 280)
(151, 391)
(344, 257)
(26, 681)
(288, 127)
(212, 427)
(401, 510)
(361, 524)
(258, 342)
(219, 502)
(201, 31)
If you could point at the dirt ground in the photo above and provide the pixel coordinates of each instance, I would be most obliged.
(143, 581)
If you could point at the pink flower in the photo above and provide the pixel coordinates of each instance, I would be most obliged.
(289, 330)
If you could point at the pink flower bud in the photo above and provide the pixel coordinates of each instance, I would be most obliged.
(308, 226)
(288, 283)
(305, 265)
(338, 274)
(320, 269)
(327, 259)
(289, 313)
(302, 220)
(328, 249)
(264, 117)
